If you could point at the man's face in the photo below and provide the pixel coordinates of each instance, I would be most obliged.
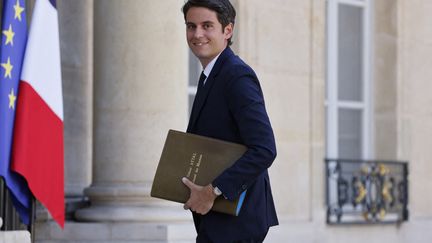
(204, 34)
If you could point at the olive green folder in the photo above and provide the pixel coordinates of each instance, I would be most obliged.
(200, 159)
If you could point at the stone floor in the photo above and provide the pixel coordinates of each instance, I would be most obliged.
(14, 236)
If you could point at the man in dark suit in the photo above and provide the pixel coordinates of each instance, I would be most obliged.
(229, 105)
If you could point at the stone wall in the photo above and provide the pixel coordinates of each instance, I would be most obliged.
(140, 82)
(415, 101)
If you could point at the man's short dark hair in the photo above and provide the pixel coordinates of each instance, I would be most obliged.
(224, 10)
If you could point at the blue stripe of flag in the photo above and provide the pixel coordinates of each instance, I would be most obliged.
(13, 20)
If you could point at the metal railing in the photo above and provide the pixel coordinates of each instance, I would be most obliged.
(366, 191)
(9, 215)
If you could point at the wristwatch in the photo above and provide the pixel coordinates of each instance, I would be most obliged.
(216, 191)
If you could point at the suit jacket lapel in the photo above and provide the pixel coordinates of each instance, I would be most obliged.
(201, 96)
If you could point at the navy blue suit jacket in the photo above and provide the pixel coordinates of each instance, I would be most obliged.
(231, 107)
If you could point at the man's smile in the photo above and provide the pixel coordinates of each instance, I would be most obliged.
(200, 43)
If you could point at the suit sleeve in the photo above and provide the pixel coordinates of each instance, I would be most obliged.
(246, 104)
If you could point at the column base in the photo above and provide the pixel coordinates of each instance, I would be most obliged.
(133, 214)
(128, 203)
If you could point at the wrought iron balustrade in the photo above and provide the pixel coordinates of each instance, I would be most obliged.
(8, 213)
(366, 191)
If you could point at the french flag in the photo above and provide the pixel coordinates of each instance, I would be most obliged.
(38, 133)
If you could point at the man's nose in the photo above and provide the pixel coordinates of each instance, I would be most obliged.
(199, 32)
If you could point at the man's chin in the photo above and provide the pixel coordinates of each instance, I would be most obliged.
(201, 55)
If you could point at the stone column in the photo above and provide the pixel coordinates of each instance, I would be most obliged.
(140, 91)
(76, 34)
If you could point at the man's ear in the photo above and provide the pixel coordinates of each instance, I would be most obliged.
(228, 31)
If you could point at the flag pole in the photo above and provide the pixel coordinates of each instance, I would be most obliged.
(32, 225)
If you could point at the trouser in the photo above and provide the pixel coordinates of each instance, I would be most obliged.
(203, 238)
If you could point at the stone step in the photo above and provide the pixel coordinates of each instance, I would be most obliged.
(18, 236)
(110, 232)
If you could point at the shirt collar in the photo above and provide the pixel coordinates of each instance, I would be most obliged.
(210, 66)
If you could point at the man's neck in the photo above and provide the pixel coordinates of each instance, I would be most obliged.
(207, 69)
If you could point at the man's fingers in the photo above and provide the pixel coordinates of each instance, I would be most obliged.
(188, 183)
(187, 205)
(199, 200)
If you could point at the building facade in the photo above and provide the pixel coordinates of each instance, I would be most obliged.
(341, 79)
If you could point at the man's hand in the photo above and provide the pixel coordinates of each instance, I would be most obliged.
(201, 197)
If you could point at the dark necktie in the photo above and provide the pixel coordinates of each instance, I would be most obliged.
(201, 81)
(194, 106)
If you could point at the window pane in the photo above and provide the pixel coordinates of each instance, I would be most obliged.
(350, 133)
(350, 56)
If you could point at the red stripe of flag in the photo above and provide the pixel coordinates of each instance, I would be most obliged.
(38, 150)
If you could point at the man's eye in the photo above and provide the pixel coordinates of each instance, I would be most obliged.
(206, 26)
